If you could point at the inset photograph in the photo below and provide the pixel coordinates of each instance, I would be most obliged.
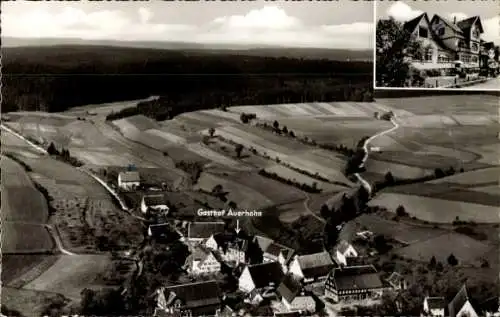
(453, 45)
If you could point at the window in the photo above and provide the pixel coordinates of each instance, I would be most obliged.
(428, 55)
(475, 47)
(474, 59)
(440, 32)
(422, 32)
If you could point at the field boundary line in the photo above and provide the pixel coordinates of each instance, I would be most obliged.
(33, 145)
(107, 187)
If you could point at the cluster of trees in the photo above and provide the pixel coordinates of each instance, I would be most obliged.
(194, 168)
(390, 180)
(356, 158)
(349, 208)
(305, 187)
(247, 117)
(63, 155)
(393, 45)
(275, 128)
(185, 82)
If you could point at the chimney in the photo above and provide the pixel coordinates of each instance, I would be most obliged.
(454, 20)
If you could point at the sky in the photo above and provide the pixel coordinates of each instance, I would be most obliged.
(488, 11)
(323, 24)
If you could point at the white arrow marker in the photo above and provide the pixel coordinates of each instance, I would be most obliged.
(238, 226)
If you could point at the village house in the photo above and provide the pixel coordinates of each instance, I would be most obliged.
(344, 250)
(202, 261)
(491, 307)
(460, 306)
(199, 232)
(232, 249)
(155, 203)
(129, 180)
(354, 283)
(312, 268)
(397, 281)
(193, 299)
(263, 278)
(434, 306)
(163, 230)
(292, 296)
(274, 252)
(446, 41)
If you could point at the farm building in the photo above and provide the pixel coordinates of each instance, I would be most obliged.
(343, 251)
(292, 296)
(231, 248)
(129, 180)
(156, 203)
(193, 299)
(460, 305)
(397, 281)
(198, 232)
(434, 306)
(312, 268)
(280, 253)
(202, 261)
(354, 283)
(162, 230)
(263, 277)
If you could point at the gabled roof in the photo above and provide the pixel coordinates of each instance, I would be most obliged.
(239, 244)
(154, 200)
(356, 277)
(194, 295)
(263, 242)
(203, 230)
(129, 176)
(411, 25)
(265, 274)
(450, 24)
(289, 288)
(314, 260)
(161, 229)
(466, 24)
(275, 248)
(436, 302)
(200, 254)
(458, 301)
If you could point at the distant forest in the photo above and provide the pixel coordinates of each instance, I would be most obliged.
(56, 78)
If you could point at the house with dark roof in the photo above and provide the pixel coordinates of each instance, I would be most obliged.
(344, 250)
(292, 296)
(312, 268)
(163, 230)
(274, 252)
(192, 299)
(202, 261)
(491, 307)
(354, 283)
(460, 305)
(434, 306)
(445, 41)
(229, 246)
(397, 281)
(129, 180)
(155, 203)
(198, 232)
(260, 277)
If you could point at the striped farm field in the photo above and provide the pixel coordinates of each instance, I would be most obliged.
(24, 237)
(398, 170)
(127, 128)
(222, 116)
(21, 201)
(215, 157)
(478, 177)
(275, 191)
(165, 136)
(105, 158)
(70, 274)
(464, 248)
(491, 189)
(438, 210)
(449, 104)
(244, 196)
(290, 174)
(141, 122)
(474, 120)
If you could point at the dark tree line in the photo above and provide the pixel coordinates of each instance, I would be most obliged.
(57, 78)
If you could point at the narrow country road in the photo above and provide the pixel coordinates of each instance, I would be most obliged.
(55, 234)
(33, 145)
(306, 206)
(367, 152)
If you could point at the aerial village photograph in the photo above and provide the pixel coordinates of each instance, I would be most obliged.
(453, 44)
(226, 159)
